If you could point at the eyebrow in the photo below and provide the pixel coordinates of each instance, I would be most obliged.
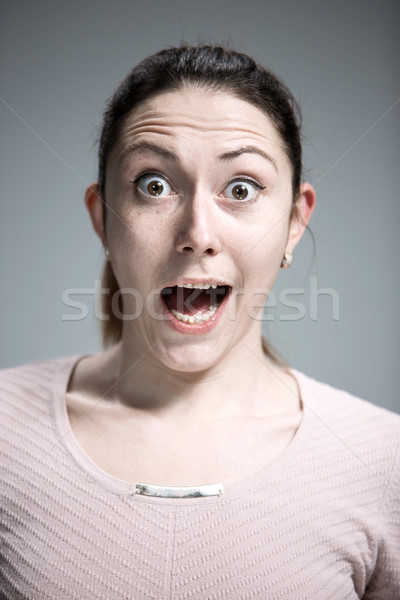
(171, 156)
(156, 148)
(248, 150)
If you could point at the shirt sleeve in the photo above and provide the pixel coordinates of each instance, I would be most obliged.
(385, 581)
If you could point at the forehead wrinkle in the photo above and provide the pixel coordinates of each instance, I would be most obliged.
(168, 126)
(156, 120)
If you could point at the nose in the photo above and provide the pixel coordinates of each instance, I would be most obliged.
(197, 231)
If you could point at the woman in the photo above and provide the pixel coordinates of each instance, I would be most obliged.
(186, 461)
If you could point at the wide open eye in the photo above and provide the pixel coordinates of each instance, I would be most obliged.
(242, 190)
(153, 185)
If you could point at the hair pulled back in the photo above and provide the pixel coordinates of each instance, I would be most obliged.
(210, 67)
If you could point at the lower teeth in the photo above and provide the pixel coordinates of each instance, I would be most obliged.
(198, 318)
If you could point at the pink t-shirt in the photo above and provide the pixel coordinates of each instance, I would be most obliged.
(320, 522)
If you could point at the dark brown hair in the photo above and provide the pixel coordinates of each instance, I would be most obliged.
(213, 68)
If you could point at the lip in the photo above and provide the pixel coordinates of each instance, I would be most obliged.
(195, 328)
(181, 281)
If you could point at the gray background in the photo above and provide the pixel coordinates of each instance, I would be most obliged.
(60, 61)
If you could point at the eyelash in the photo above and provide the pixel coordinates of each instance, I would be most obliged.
(237, 179)
(249, 180)
(139, 177)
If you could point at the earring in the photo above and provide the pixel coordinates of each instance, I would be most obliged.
(107, 252)
(286, 261)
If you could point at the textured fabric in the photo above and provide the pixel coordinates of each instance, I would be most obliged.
(320, 522)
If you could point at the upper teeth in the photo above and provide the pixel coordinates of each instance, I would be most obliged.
(199, 286)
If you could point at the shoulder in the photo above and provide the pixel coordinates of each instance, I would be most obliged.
(34, 373)
(341, 407)
(351, 430)
(353, 462)
(30, 386)
(29, 369)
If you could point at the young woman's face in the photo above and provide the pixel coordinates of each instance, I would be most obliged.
(199, 195)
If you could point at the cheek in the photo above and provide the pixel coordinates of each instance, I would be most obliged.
(266, 244)
(133, 232)
(131, 251)
(262, 266)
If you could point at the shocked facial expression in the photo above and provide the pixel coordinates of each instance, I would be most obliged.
(199, 197)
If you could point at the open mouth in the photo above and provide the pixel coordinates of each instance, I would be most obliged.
(194, 303)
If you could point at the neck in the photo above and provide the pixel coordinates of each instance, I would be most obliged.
(244, 383)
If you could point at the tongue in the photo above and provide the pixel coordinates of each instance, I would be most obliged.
(188, 301)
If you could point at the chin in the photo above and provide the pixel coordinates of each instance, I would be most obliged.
(189, 358)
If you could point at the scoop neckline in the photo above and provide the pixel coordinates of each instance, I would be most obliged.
(120, 487)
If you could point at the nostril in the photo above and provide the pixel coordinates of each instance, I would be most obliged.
(206, 251)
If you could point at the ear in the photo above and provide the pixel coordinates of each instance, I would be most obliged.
(94, 204)
(301, 214)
